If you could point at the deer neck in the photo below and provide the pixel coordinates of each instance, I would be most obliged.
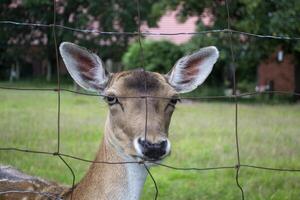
(111, 181)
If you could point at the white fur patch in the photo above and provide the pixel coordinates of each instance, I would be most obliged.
(136, 177)
(168, 149)
(137, 147)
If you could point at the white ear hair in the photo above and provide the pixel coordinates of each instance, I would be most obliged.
(191, 71)
(86, 68)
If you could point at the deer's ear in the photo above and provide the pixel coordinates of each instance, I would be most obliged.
(85, 67)
(191, 71)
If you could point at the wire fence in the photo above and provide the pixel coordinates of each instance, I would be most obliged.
(236, 166)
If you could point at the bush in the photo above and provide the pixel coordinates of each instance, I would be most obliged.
(159, 56)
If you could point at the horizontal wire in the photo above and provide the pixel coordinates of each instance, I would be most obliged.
(270, 168)
(158, 97)
(65, 155)
(148, 161)
(105, 162)
(100, 162)
(27, 151)
(194, 168)
(68, 28)
(145, 33)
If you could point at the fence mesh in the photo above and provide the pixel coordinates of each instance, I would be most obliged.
(235, 96)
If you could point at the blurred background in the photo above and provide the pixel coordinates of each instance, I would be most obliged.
(202, 132)
(27, 53)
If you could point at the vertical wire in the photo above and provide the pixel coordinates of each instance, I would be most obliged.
(146, 93)
(72, 172)
(153, 180)
(142, 58)
(58, 75)
(58, 98)
(236, 103)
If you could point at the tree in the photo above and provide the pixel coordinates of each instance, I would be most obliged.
(280, 17)
(159, 56)
(105, 15)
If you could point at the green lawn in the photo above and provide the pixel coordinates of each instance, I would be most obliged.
(202, 135)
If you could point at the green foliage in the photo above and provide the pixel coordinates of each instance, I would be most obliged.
(159, 56)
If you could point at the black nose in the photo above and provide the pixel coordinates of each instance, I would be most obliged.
(153, 151)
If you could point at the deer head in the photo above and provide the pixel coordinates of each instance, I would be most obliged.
(132, 96)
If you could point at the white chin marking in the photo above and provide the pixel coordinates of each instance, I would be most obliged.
(168, 149)
(137, 147)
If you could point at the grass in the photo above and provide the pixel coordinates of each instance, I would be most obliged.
(202, 135)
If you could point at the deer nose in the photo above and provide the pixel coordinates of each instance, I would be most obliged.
(154, 151)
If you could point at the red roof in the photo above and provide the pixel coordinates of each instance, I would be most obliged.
(169, 24)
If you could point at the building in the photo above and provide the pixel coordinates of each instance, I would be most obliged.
(277, 73)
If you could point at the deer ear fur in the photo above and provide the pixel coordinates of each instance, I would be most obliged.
(191, 71)
(85, 68)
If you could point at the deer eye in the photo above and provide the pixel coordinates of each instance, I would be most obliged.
(111, 100)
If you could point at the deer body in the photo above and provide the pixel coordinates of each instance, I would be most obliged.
(131, 96)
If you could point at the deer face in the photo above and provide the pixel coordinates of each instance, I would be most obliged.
(138, 120)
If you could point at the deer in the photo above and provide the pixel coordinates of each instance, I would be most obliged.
(131, 97)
